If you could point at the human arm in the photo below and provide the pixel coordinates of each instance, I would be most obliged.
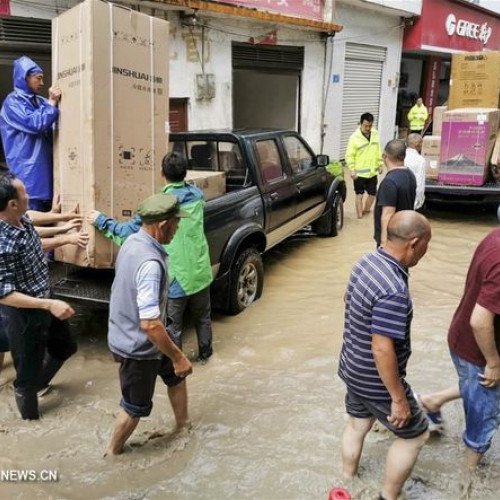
(79, 239)
(61, 310)
(387, 213)
(47, 232)
(157, 334)
(386, 362)
(350, 157)
(389, 326)
(112, 229)
(482, 323)
(24, 117)
(54, 95)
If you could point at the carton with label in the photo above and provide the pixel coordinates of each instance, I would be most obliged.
(112, 66)
(467, 142)
(475, 80)
(431, 148)
(437, 119)
(213, 184)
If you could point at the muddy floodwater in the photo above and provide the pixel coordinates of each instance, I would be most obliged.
(267, 410)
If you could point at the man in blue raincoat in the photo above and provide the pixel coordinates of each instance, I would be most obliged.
(26, 121)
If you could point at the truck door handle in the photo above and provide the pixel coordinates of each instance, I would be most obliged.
(274, 196)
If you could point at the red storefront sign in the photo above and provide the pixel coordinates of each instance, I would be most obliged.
(451, 26)
(4, 7)
(309, 9)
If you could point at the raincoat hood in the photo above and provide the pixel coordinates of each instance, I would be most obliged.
(22, 67)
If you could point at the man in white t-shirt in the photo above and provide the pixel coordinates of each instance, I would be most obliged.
(416, 163)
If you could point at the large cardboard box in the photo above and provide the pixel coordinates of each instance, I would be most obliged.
(112, 66)
(467, 142)
(437, 119)
(431, 146)
(213, 184)
(475, 80)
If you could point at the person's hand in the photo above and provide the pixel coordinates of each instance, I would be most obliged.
(182, 366)
(54, 95)
(60, 309)
(400, 413)
(56, 204)
(354, 176)
(79, 239)
(491, 376)
(75, 223)
(92, 216)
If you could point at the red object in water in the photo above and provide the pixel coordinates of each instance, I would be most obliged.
(339, 494)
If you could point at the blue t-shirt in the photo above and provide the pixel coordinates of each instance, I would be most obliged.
(377, 301)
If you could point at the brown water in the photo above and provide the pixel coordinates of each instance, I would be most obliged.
(267, 410)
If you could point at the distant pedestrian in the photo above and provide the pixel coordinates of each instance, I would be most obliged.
(26, 121)
(137, 335)
(364, 161)
(397, 191)
(417, 117)
(39, 343)
(416, 163)
(376, 349)
(190, 270)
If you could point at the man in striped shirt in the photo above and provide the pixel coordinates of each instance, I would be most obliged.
(376, 349)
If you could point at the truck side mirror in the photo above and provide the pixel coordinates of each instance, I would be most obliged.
(322, 160)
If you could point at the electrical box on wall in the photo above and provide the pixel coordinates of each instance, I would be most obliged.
(205, 86)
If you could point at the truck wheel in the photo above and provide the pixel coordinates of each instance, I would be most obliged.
(247, 280)
(332, 222)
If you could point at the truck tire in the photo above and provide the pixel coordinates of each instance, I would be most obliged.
(331, 223)
(247, 280)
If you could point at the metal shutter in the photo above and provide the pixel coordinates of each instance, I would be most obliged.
(280, 57)
(21, 34)
(362, 86)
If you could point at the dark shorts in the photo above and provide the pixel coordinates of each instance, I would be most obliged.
(138, 379)
(359, 407)
(364, 184)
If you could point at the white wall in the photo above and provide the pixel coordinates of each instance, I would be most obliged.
(375, 29)
(218, 112)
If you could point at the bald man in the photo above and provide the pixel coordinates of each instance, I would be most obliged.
(376, 350)
(396, 192)
(416, 163)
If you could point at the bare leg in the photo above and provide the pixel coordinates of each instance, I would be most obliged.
(179, 401)
(434, 401)
(359, 205)
(352, 444)
(368, 203)
(401, 458)
(124, 426)
(472, 460)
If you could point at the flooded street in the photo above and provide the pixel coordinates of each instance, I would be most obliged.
(267, 410)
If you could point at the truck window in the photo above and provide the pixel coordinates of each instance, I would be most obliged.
(300, 157)
(231, 162)
(269, 160)
(202, 155)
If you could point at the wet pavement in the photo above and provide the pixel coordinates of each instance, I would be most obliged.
(267, 409)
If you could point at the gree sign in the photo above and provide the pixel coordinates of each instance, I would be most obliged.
(468, 29)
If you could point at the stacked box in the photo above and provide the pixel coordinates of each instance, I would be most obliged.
(112, 66)
(475, 80)
(431, 148)
(437, 119)
(213, 184)
(467, 142)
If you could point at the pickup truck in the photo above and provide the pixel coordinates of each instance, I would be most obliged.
(275, 186)
(487, 195)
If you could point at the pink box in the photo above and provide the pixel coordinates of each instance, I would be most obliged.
(467, 141)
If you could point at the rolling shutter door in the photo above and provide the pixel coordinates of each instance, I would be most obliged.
(278, 58)
(364, 65)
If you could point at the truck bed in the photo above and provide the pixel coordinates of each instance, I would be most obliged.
(488, 194)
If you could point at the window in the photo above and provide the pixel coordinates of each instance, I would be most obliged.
(269, 161)
(300, 157)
